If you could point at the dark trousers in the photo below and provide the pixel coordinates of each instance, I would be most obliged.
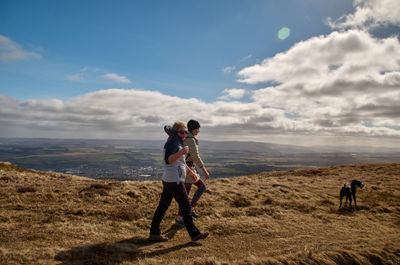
(178, 192)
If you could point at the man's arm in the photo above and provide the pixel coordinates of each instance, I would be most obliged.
(194, 152)
(206, 174)
(195, 156)
(191, 173)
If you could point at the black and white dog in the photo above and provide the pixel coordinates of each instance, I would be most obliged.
(349, 190)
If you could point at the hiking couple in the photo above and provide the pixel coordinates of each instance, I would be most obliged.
(181, 154)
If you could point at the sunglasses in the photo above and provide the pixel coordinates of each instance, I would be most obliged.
(183, 132)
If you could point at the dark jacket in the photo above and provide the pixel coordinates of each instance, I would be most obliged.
(173, 145)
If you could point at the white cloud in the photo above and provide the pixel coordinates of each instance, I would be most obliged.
(354, 52)
(228, 69)
(82, 76)
(117, 78)
(76, 77)
(346, 83)
(247, 57)
(11, 51)
(370, 14)
(233, 93)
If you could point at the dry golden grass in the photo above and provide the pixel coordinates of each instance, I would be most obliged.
(270, 218)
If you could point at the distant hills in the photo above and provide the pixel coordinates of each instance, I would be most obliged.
(142, 159)
(205, 145)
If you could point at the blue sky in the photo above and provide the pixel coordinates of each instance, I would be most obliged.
(218, 58)
(177, 47)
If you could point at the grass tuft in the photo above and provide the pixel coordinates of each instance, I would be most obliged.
(326, 202)
(268, 200)
(100, 186)
(133, 194)
(240, 201)
(5, 179)
(26, 189)
(126, 213)
(95, 189)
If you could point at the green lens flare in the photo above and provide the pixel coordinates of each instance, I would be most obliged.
(284, 33)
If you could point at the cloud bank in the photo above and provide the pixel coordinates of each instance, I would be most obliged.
(344, 83)
(123, 113)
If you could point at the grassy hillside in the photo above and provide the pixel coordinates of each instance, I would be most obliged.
(287, 217)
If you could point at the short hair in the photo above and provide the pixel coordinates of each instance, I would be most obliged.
(177, 125)
(193, 125)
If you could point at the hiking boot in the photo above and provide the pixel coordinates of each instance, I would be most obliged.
(193, 213)
(200, 236)
(158, 238)
(179, 221)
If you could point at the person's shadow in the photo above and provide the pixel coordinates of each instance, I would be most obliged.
(117, 252)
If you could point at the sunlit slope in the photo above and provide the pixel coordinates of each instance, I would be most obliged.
(287, 217)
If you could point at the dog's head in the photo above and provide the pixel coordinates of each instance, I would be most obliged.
(357, 183)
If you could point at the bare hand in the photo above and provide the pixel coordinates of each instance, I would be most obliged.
(190, 172)
(185, 150)
(206, 174)
(194, 177)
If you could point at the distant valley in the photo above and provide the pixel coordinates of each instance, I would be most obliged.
(142, 160)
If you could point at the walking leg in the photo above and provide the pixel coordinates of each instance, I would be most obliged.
(165, 202)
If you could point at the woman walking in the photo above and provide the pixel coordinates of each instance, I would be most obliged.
(173, 185)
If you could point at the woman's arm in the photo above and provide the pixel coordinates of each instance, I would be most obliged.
(172, 158)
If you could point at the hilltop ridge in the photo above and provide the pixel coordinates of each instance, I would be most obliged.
(267, 218)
